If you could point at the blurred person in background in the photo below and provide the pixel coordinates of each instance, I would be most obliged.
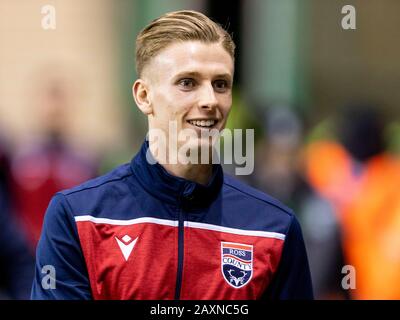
(279, 171)
(361, 181)
(47, 164)
(16, 261)
(277, 153)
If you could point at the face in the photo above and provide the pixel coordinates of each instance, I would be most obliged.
(190, 83)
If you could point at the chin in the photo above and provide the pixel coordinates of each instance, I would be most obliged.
(198, 147)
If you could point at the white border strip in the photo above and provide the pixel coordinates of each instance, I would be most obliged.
(187, 224)
(264, 234)
(164, 222)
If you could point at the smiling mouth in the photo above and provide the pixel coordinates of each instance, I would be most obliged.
(203, 123)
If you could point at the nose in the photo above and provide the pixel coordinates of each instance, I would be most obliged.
(208, 99)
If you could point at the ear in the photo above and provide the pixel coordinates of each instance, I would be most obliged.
(140, 93)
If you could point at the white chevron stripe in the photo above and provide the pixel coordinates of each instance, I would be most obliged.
(187, 224)
(165, 222)
(264, 234)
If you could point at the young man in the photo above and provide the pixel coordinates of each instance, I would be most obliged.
(162, 229)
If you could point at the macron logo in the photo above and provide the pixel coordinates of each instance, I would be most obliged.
(126, 245)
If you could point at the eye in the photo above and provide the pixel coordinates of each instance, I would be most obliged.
(221, 85)
(187, 83)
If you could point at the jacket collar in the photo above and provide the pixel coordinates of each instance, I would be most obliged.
(161, 184)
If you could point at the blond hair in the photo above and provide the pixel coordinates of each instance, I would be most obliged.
(185, 25)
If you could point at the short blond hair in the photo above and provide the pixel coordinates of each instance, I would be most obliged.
(185, 25)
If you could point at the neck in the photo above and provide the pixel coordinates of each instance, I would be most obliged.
(200, 173)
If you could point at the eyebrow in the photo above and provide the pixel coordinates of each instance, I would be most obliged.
(226, 76)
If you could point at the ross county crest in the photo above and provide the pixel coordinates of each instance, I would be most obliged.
(236, 263)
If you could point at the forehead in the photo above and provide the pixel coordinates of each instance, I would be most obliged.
(191, 56)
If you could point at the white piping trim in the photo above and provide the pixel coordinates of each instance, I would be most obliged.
(264, 234)
(172, 223)
(187, 224)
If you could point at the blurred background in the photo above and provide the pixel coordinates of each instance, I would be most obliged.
(324, 103)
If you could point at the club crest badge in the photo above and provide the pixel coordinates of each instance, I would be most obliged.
(236, 263)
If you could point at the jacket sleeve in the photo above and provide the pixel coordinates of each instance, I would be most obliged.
(59, 257)
(292, 281)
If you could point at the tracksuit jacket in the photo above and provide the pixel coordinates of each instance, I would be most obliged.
(139, 232)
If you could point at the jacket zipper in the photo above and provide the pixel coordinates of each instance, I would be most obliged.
(180, 255)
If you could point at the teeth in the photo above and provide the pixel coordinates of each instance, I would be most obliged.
(202, 123)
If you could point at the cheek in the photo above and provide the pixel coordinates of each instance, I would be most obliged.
(226, 105)
(171, 106)
(180, 102)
